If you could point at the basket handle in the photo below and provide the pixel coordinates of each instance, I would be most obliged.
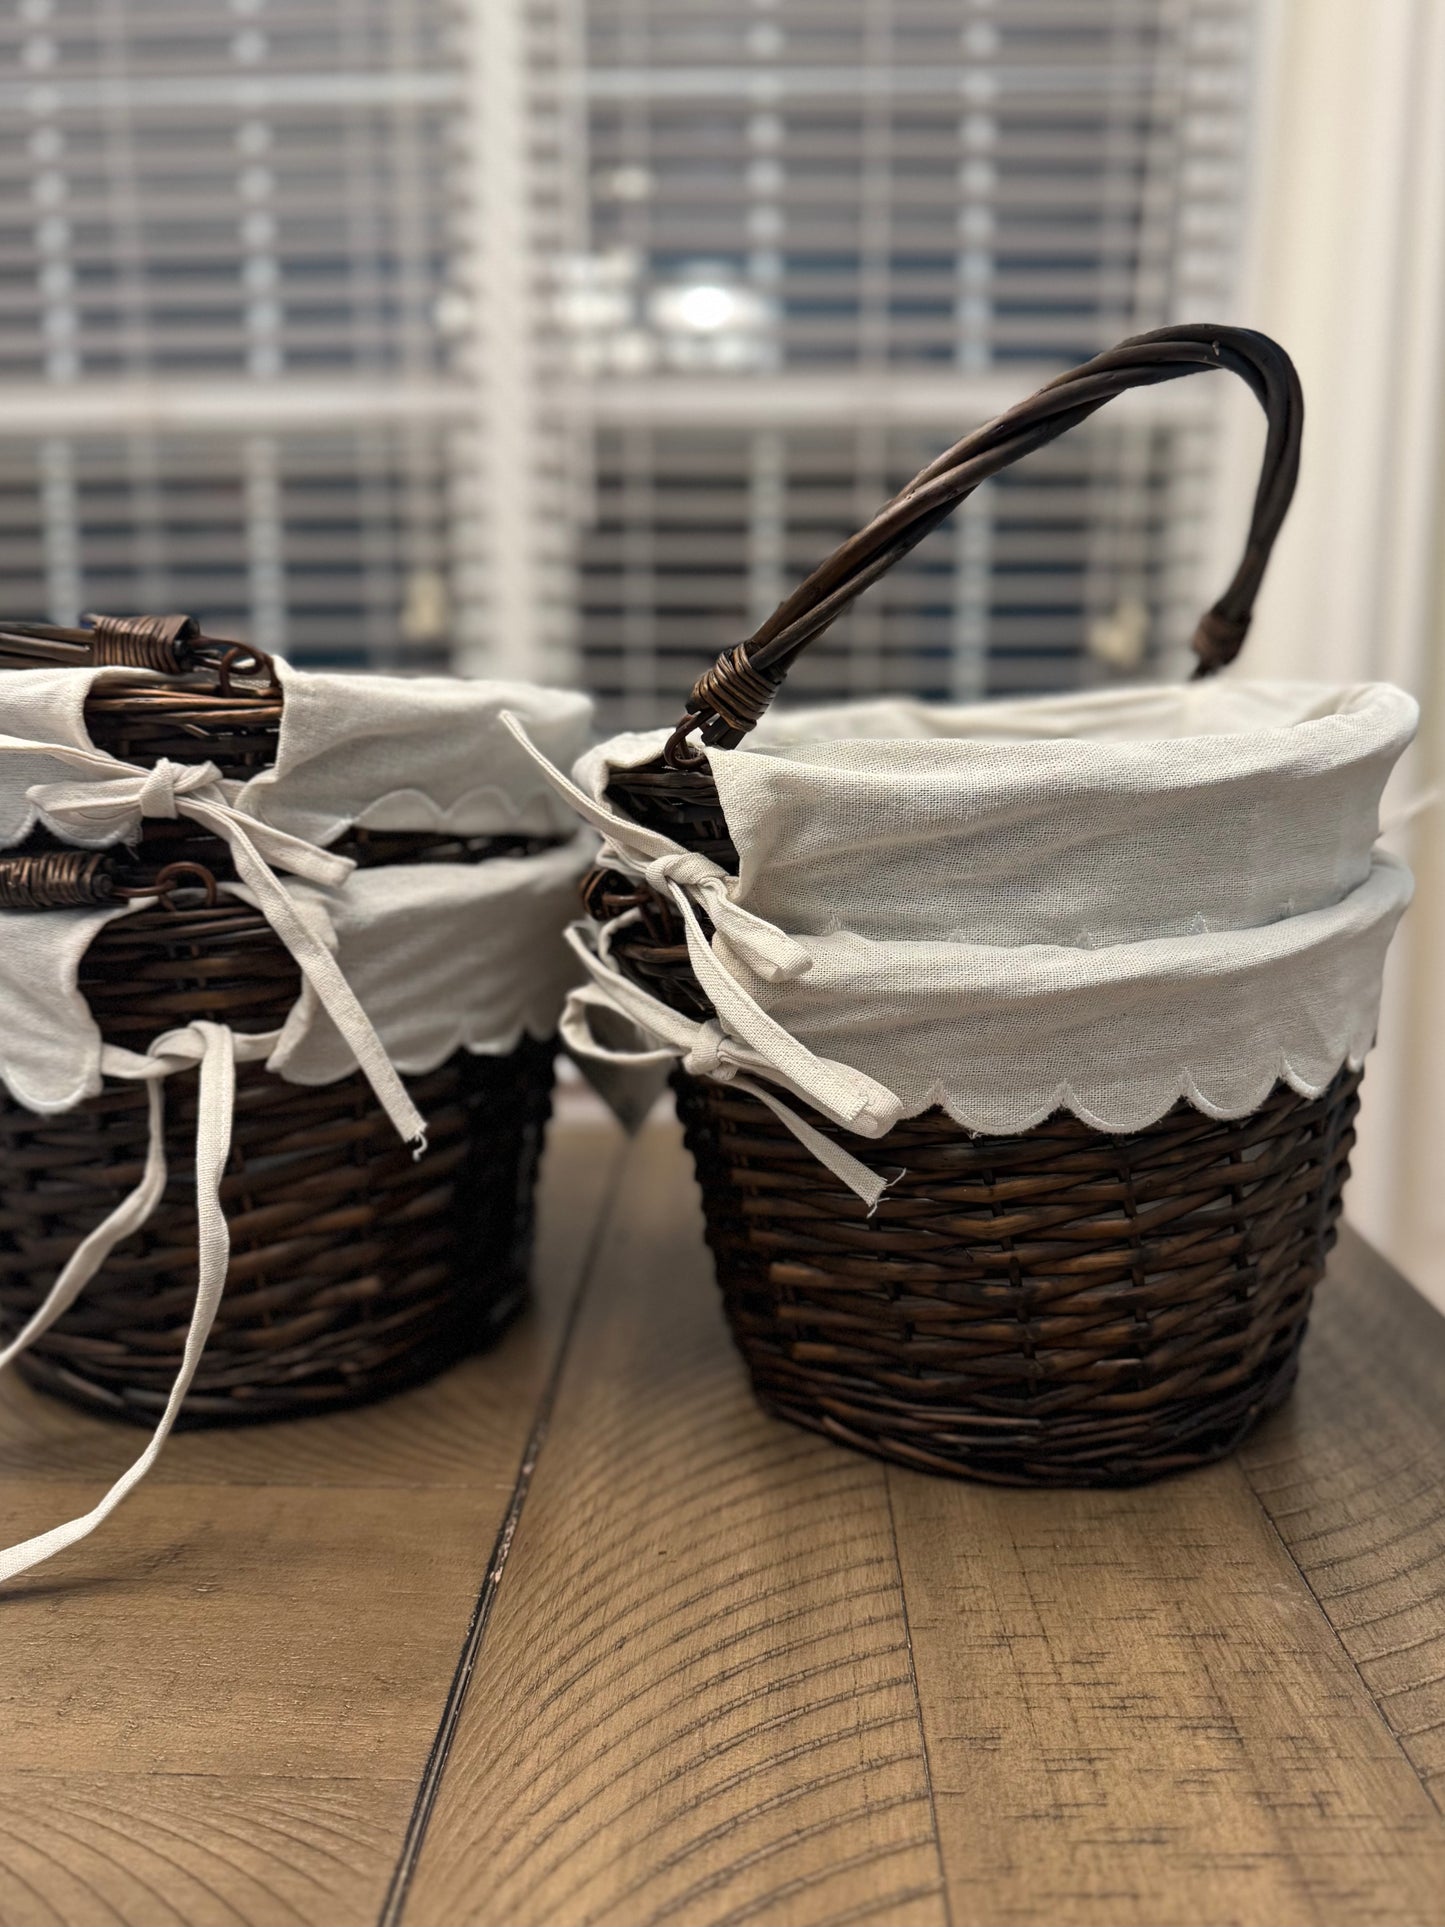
(172, 645)
(730, 697)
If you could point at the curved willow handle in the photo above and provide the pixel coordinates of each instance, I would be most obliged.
(729, 698)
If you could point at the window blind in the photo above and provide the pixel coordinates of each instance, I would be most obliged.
(829, 237)
(560, 336)
(266, 274)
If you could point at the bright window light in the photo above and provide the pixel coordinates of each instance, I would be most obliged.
(705, 307)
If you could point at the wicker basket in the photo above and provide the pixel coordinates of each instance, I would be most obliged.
(1063, 1306)
(354, 1270)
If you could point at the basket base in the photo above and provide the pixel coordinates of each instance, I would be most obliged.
(355, 1270)
(1060, 1308)
(1048, 1464)
(262, 1405)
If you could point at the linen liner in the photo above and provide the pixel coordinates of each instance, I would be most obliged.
(1110, 979)
(382, 752)
(399, 965)
(1081, 820)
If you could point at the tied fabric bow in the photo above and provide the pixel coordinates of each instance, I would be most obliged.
(106, 801)
(743, 1043)
(112, 805)
(706, 1050)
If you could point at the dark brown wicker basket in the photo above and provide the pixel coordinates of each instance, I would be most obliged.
(1057, 1308)
(1064, 1306)
(354, 1269)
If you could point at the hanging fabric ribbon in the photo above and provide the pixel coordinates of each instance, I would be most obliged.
(744, 1044)
(850, 1097)
(106, 800)
(665, 866)
(846, 1096)
(216, 1049)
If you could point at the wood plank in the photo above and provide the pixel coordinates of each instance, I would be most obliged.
(218, 1707)
(1353, 1476)
(1136, 1709)
(178, 1850)
(242, 1629)
(695, 1701)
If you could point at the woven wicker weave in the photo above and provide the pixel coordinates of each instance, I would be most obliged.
(1059, 1307)
(354, 1269)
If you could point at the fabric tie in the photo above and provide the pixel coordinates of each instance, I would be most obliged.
(707, 1050)
(117, 796)
(216, 1050)
(665, 866)
(744, 1038)
(164, 784)
(107, 800)
(761, 946)
(854, 1100)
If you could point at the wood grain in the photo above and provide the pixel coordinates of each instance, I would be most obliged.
(1353, 1477)
(731, 1672)
(1136, 1712)
(223, 1700)
(695, 1702)
(89, 1851)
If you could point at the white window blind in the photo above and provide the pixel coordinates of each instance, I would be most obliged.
(311, 312)
(828, 237)
(274, 319)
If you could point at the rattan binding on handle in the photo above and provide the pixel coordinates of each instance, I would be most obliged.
(173, 645)
(64, 879)
(728, 699)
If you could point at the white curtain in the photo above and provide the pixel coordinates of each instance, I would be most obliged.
(1344, 261)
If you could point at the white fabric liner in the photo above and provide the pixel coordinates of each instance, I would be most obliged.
(1099, 904)
(440, 956)
(1164, 812)
(1001, 1037)
(414, 753)
(400, 965)
(444, 957)
(386, 752)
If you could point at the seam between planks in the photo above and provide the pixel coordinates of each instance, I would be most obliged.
(414, 1839)
(1350, 1660)
(917, 1702)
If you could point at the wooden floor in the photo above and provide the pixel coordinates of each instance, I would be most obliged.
(577, 1635)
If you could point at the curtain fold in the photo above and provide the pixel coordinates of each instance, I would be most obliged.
(1344, 261)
